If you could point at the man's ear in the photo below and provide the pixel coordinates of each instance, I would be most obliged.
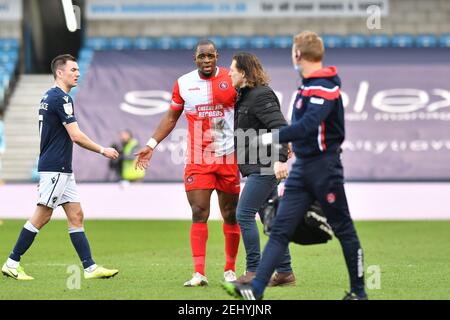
(298, 55)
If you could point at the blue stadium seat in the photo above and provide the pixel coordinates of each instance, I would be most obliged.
(85, 54)
(4, 58)
(260, 42)
(83, 62)
(426, 41)
(188, 43)
(13, 55)
(166, 43)
(379, 41)
(402, 41)
(236, 42)
(4, 79)
(355, 41)
(282, 42)
(83, 65)
(144, 43)
(98, 43)
(121, 43)
(219, 41)
(444, 40)
(9, 44)
(8, 56)
(333, 41)
(8, 68)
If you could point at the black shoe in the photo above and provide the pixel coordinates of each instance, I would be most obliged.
(353, 296)
(240, 291)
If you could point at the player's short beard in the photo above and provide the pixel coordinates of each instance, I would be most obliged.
(206, 75)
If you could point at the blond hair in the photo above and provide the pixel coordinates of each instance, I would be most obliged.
(310, 45)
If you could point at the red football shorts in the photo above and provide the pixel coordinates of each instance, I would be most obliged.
(220, 176)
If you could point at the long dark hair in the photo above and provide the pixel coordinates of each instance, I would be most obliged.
(254, 73)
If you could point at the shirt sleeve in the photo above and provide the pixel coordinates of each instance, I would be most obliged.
(177, 102)
(64, 110)
(318, 109)
(267, 110)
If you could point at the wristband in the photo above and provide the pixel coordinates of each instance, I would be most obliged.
(102, 150)
(152, 143)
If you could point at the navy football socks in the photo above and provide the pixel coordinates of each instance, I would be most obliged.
(81, 244)
(24, 241)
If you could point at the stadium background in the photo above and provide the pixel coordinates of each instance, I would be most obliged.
(395, 76)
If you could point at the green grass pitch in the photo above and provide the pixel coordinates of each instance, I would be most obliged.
(154, 260)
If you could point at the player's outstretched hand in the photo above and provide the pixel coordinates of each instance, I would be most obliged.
(111, 153)
(281, 170)
(143, 157)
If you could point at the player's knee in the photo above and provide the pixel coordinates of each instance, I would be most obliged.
(199, 214)
(76, 219)
(46, 217)
(229, 217)
(229, 213)
(41, 217)
(41, 222)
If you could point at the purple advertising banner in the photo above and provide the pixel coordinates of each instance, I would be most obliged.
(397, 104)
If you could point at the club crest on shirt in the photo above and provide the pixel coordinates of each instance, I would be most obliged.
(66, 99)
(68, 108)
(223, 85)
(331, 197)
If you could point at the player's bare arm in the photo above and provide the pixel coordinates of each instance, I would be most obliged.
(77, 136)
(165, 127)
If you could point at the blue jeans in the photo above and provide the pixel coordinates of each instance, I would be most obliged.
(257, 190)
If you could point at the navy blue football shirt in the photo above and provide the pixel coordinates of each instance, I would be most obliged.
(55, 111)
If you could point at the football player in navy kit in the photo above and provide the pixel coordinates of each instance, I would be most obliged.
(58, 129)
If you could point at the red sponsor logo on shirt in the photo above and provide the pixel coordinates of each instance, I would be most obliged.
(209, 111)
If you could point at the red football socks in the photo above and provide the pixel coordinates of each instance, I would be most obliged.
(232, 234)
(199, 236)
